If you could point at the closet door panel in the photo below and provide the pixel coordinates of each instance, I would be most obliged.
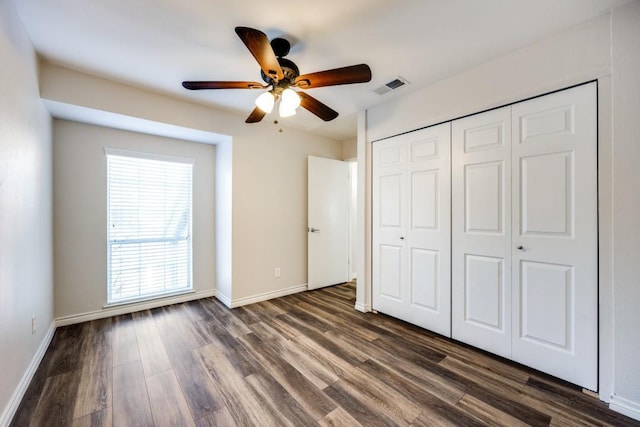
(391, 192)
(411, 235)
(484, 194)
(424, 279)
(390, 272)
(481, 231)
(483, 292)
(424, 200)
(389, 213)
(555, 295)
(428, 234)
(547, 295)
(546, 194)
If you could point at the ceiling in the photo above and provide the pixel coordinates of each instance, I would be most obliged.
(156, 44)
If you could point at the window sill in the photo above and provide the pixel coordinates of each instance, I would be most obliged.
(149, 298)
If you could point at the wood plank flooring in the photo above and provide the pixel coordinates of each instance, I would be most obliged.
(303, 360)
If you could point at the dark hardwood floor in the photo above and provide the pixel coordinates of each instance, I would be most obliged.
(302, 360)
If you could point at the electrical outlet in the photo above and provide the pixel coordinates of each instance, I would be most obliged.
(277, 272)
(33, 325)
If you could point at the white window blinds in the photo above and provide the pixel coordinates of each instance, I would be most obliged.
(149, 225)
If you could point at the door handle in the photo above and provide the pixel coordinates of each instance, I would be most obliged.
(401, 238)
(313, 230)
(520, 248)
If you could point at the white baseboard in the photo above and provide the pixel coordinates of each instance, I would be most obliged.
(625, 407)
(132, 308)
(364, 308)
(224, 299)
(265, 296)
(10, 410)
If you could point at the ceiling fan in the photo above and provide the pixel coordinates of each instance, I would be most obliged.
(281, 75)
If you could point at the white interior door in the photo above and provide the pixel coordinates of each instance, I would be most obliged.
(481, 231)
(555, 297)
(328, 222)
(411, 258)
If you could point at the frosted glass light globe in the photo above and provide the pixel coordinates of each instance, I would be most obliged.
(265, 102)
(290, 99)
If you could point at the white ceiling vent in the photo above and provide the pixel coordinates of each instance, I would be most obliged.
(393, 84)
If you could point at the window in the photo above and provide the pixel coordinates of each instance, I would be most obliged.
(149, 225)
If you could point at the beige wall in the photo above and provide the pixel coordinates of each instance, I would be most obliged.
(270, 209)
(577, 55)
(26, 285)
(349, 149)
(268, 176)
(80, 210)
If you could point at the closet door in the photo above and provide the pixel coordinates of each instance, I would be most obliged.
(411, 217)
(481, 231)
(389, 225)
(555, 292)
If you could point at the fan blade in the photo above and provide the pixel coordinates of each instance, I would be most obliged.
(223, 85)
(316, 107)
(339, 76)
(255, 116)
(259, 46)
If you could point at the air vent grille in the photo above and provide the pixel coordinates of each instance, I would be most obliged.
(393, 84)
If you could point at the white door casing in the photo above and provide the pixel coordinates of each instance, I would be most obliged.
(481, 231)
(353, 215)
(328, 222)
(411, 240)
(555, 292)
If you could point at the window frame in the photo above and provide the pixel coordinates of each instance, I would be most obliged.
(108, 151)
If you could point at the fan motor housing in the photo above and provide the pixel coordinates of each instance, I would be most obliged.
(289, 69)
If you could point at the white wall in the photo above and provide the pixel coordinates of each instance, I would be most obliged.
(268, 176)
(577, 55)
(26, 278)
(80, 210)
(626, 208)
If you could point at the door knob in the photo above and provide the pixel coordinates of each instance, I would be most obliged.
(401, 238)
(521, 248)
(313, 230)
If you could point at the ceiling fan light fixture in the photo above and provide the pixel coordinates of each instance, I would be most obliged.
(265, 102)
(281, 74)
(286, 111)
(290, 99)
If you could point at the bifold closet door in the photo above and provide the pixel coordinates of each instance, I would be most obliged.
(524, 233)
(481, 231)
(411, 228)
(555, 292)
